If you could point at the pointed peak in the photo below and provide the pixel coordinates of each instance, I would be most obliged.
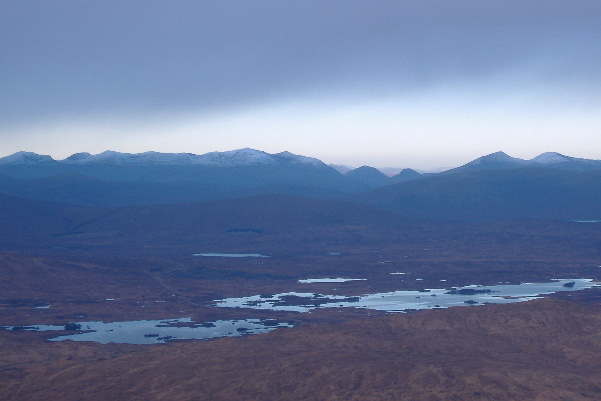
(368, 175)
(550, 158)
(496, 158)
(367, 168)
(78, 157)
(406, 174)
(408, 171)
(365, 171)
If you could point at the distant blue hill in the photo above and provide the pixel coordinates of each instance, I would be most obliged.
(500, 160)
(492, 187)
(494, 194)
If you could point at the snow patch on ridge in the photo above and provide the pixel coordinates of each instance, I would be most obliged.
(550, 158)
(135, 158)
(25, 158)
(238, 157)
(496, 158)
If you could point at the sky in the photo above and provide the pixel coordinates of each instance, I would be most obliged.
(420, 84)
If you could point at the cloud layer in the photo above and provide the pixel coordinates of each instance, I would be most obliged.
(114, 70)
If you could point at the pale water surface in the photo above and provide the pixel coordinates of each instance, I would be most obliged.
(329, 280)
(400, 301)
(160, 331)
(232, 255)
(155, 331)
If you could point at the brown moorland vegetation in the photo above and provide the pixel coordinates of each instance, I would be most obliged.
(137, 263)
(539, 350)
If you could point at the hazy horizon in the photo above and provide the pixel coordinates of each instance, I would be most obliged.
(389, 84)
(385, 168)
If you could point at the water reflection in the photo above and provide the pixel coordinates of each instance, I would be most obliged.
(329, 280)
(399, 301)
(155, 331)
(232, 255)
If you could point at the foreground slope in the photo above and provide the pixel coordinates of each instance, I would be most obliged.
(63, 263)
(541, 350)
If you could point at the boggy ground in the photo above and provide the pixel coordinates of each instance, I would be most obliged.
(140, 276)
(539, 350)
(543, 350)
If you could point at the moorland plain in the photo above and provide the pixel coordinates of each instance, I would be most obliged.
(63, 263)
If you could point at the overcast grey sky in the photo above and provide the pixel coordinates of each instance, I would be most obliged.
(421, 83)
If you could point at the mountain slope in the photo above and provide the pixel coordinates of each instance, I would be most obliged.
(552, 160)
(521, 193)
(117, 179)
(369, 176)
(550, 185)
(25, 221)
(269, 214)
(135, 166)
(407, 174)
(539, 350)
(497, 160)
(559, 161)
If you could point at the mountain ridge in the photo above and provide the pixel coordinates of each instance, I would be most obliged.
(245, 156)
(248, 157)
(501, 160)
(492, 187)
(494, 194)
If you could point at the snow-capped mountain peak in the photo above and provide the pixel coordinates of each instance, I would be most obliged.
(107, 156)
(25, 158)
(229, 158)
(237, 157)
(81, 157)
(550, 158)
(494, 160)
(499, 157)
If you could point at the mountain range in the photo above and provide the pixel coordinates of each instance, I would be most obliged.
(501, 160)
(121, 237)
(492, 187)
